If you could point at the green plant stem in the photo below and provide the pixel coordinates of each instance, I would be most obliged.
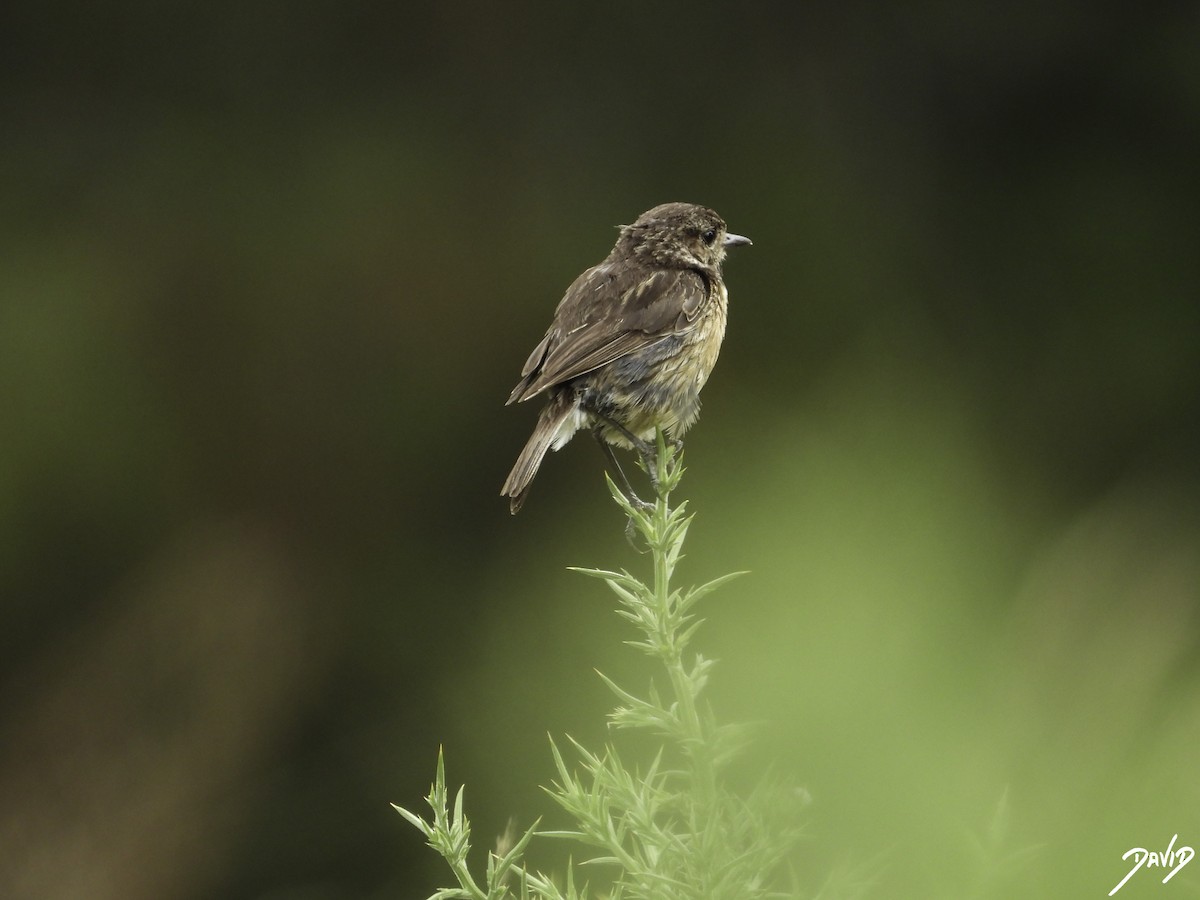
(695, 739)
(669, 830)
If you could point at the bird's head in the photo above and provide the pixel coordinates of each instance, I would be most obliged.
(679, 235)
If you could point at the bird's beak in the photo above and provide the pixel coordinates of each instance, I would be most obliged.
(736, 240)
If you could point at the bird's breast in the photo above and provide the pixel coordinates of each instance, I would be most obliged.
(710, 332)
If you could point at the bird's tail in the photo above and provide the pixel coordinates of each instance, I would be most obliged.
(547, 433)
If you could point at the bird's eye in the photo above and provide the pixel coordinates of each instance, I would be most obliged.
(709, 236)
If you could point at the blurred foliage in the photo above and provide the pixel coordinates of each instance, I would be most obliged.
(269, 271)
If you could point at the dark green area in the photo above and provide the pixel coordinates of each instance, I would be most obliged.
(268, 272)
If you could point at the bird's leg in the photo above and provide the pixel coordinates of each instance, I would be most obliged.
(644, 448)
(616, 464)
(650, 460)
(606, 447)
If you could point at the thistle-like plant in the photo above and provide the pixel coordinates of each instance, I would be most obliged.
(664, 828)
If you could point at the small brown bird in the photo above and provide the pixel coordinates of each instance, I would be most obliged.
(632, 342)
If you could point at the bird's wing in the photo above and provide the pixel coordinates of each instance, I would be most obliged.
(609, 312)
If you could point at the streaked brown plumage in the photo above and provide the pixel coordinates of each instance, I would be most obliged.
(632, 341)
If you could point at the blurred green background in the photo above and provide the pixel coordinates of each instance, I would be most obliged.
(270, 270)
